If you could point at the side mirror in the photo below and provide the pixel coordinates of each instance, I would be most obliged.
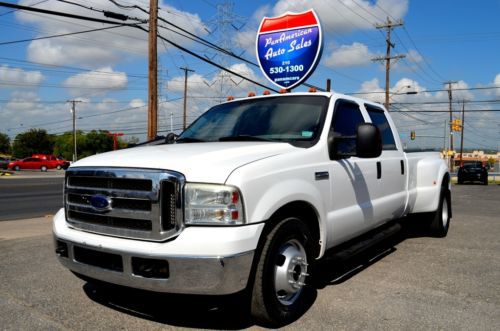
(368, 141)
(170, 138)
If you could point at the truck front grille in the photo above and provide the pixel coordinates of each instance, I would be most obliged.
(131, 203)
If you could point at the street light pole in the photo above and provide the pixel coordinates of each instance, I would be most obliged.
(450, 99)
(186, 70)
(73, 111)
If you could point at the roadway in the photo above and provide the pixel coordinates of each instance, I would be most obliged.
(411, 282)
(30, 194)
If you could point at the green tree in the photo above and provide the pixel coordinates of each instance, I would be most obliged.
(97, 142)
(4, 143)
(63, 145)
(94, 142)
(31, 142)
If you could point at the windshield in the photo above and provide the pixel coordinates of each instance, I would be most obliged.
(293, 119)
(477, 165)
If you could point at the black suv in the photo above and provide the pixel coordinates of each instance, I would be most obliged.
(473, 171)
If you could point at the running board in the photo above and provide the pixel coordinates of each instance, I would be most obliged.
(362, 243)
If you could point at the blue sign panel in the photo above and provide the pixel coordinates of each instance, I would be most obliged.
(289, 47)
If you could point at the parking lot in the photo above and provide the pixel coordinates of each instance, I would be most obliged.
(410, 282)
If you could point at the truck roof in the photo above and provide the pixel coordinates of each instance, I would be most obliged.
(325, 94)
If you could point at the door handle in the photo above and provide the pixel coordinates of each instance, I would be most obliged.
(379, 170)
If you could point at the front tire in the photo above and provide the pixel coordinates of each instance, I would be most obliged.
(16, 168)
(280, 292)
(43, 168)
(59, 167)
(440, 219)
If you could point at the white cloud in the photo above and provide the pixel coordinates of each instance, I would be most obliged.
(102, 80)
(201, 86)
(67, 52)
(414, 56)
(353, 55)
(206, 91)
(460, 92)
(135, 103)
(404, 90)
(99, 48)
(337, 17)
(496, 82)
(246, 40)
(371, 90)
(19, 78)
(346, 15)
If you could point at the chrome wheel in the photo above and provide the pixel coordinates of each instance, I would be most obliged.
(290, 272)
(279, 293)
(444, 213)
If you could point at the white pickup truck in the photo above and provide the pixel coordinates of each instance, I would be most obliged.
(246, 199)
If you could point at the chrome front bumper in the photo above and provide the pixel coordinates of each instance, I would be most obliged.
(190, 275)
(220, 266)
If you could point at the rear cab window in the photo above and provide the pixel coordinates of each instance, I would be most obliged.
(378, 118)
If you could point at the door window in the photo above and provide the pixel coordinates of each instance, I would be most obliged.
(346, 120)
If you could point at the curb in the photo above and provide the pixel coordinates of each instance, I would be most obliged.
(6, 173)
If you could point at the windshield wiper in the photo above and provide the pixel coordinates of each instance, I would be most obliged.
(243, 138)
(189, 140)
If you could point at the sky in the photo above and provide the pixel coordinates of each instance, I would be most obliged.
(106, 70)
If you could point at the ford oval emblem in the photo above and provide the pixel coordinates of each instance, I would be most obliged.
(100, 202)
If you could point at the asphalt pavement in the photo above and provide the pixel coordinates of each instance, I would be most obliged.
(28, 194)
(410, 282)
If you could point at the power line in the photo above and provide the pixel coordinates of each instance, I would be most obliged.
(423, 57)
(11, 11)
(68, 15)
(211, 62)
(141, 28)
(59, 35)
(434, 90)
(67, 67)
(203, 42)
(442, 102)
(106, 13)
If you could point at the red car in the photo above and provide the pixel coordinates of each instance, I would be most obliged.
(31, 163)
(58, 163)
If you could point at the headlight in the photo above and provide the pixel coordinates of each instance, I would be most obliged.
(213, 205)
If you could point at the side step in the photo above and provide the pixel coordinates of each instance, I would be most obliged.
(362, 243)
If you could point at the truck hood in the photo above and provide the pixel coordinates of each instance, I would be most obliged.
(198, 162)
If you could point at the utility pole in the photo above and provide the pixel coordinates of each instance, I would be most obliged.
(389, 25)
(462, 134)
(73, 111)
(153, 71)
(186, 70)
(450, 99)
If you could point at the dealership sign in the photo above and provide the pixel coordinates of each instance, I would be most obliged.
(289, 47)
